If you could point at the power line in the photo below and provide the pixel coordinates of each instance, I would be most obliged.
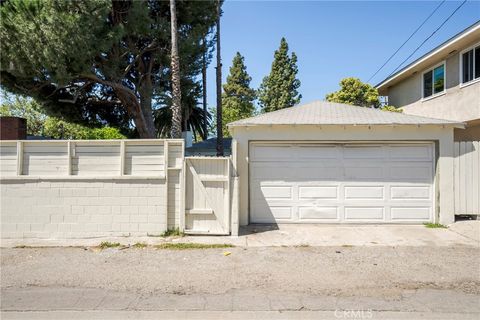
(414, 32)
(421, 44)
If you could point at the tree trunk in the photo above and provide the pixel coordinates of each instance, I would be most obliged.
(219, 88)
(144, 125)
(204, 90)
(175, 65)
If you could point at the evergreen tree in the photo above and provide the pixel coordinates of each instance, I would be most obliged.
(104, 62)
(238, 97)
(280, 88)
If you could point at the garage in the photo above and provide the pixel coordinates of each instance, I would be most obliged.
(332, 163)
(341, 183)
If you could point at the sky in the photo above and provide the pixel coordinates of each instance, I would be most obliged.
(332, 39)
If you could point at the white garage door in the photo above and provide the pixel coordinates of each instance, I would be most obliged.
(341, 183)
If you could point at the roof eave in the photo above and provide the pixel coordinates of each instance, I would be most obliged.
(459, 125)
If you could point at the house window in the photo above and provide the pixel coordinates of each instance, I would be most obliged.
(470, 64)
(434, 81)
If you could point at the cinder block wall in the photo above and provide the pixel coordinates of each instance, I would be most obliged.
(84, 189)
(71, 209)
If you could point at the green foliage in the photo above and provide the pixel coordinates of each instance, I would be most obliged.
(238, 97)
(29, 109)
(106, 244)
(100, 62)
(140, 245)
(391, 109)
(60, 129)
(355, 92)
(435, 225)
(280, 88)
(39, 124)
(173, 233)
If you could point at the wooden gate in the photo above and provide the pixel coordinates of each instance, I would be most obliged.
(207, 195)
(467, 177)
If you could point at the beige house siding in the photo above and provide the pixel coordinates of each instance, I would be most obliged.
(459, 103)
(443, 136)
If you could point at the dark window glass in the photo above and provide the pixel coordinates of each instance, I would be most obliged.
(477, 62)
(427, 84)
(439, 79)
(467, 66)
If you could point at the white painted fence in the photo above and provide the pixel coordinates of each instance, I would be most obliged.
(78, 189)
(467, 177)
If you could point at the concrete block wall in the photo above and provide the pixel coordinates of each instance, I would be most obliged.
(82, 189)
(82, 209)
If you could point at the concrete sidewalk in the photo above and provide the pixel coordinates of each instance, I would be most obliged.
(465, 233)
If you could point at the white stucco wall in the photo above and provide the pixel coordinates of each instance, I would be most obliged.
(442, 135)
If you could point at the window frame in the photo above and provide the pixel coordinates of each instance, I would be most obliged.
(434, 95)
(460, 63)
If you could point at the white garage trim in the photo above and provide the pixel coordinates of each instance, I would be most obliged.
(345, 182)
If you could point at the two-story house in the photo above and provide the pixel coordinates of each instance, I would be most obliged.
(444, 83)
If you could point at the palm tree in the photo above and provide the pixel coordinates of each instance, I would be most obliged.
(219, 86)
(175, 65)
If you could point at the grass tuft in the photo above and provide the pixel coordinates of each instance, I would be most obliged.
(187, 246)
(106, 244)
(173, 233)
(435, 225)
(140, 245)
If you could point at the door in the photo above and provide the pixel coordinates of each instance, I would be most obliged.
(341, 183)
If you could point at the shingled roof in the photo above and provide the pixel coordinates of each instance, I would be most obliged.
(329, 113)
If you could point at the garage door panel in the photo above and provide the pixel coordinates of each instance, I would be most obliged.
(279, 172)
(411, 152)
(412, 172)
(363, 152)
(386, 183)
(271, 214)
(316, 173)
(411, 213)
(318, 152)
(364, 213)
(318, 192)
(273, 152)
(277, 192)
(411, 192)
(318, 213)
(364, 192)
(364, 173)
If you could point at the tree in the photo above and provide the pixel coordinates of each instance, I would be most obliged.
(219, 85)
(39, 124)
(355, 92)
(17, 106)
(280, 88)
(238, 97)
(176, 91)
(101, 62)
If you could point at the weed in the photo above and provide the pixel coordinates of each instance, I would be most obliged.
(140, 245)
(435, 225)
(186, 246)
(303, 245)
(106, 244)
(173, 233)
(347, 245)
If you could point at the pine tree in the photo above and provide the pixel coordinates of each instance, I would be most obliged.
(280, 88)
(238, 97)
